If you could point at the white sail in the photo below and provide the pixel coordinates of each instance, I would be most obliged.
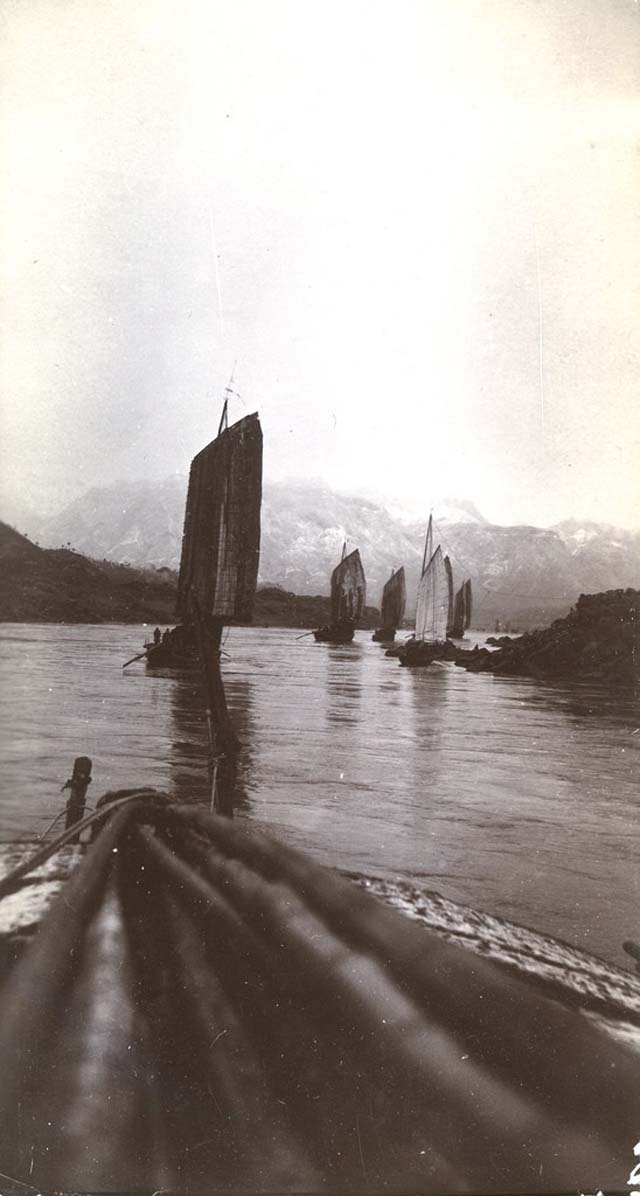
(432, 610)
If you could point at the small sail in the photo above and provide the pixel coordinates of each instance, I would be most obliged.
(348, 589)
(468, 603)
(449, 570)
(394, 598)
(457, 626)
(432, 611)
(221, 539)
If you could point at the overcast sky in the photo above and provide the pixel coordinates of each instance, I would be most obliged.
(413, 227)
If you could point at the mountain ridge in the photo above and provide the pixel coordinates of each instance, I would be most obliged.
(520, 573)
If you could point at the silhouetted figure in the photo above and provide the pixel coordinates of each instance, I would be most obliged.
(157, 635)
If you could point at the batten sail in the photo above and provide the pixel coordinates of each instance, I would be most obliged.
(449, 572)
(457, 625)
(468, 604)
(432, 611)
(348, 589)
(461, 611)
(394, 599)
(221, 539)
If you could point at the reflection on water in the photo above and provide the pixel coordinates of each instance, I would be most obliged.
(343, 688)
(239, 692)
(509, 795)
(189, 750)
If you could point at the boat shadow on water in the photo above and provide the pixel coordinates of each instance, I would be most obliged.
(189, 750)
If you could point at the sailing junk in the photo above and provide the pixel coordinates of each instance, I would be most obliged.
(437, 615)
(348, 597)
(221, 539)
(394, 597)
(433, 611)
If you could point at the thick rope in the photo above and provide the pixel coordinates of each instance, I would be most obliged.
(9, 882)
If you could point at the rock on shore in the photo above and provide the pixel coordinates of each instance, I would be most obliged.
(598, 639)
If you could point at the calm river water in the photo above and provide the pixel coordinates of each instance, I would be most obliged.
(518, 798)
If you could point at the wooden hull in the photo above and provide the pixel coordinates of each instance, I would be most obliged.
(420, 654)
(384, 635)
(336, 633)
(176, 651)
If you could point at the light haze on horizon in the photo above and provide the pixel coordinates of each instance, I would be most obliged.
(410, 229)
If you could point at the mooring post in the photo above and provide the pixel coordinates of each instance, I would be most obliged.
(78, 783)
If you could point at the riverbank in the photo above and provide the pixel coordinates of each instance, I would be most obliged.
(598, 640)
(59, 585)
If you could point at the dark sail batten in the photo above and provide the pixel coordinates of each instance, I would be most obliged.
(221, 539)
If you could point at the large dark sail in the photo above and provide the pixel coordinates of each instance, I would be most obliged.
(457, 626)
(394, 597)
(221, 539)
(449, 571)
(461, 611)
(348, 589)
(468, 604)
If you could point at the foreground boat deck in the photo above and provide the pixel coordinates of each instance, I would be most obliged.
(605, 993)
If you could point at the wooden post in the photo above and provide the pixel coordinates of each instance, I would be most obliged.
(78, 784)
(223, 742)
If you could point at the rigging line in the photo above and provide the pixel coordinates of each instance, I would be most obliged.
(475, 576)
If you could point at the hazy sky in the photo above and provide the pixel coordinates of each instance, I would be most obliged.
(413, 226)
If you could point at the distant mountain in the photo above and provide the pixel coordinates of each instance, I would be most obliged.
(521, 574)
(137, 522)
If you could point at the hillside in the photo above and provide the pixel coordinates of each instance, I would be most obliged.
(526, 575)
(275, 607)
(59, 586)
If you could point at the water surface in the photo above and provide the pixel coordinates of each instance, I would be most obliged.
(515, 797)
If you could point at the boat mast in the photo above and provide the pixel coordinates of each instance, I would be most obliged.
(224, 419)
(428, 545)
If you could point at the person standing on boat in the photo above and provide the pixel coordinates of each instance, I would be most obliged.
(157, 635)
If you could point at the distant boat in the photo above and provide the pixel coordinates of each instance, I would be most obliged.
(348, 597)
(434, 610)
(394, 599)
(462, 609)
(221, 539)
(435, 594)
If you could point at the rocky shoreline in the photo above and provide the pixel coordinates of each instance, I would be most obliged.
(598, 640)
